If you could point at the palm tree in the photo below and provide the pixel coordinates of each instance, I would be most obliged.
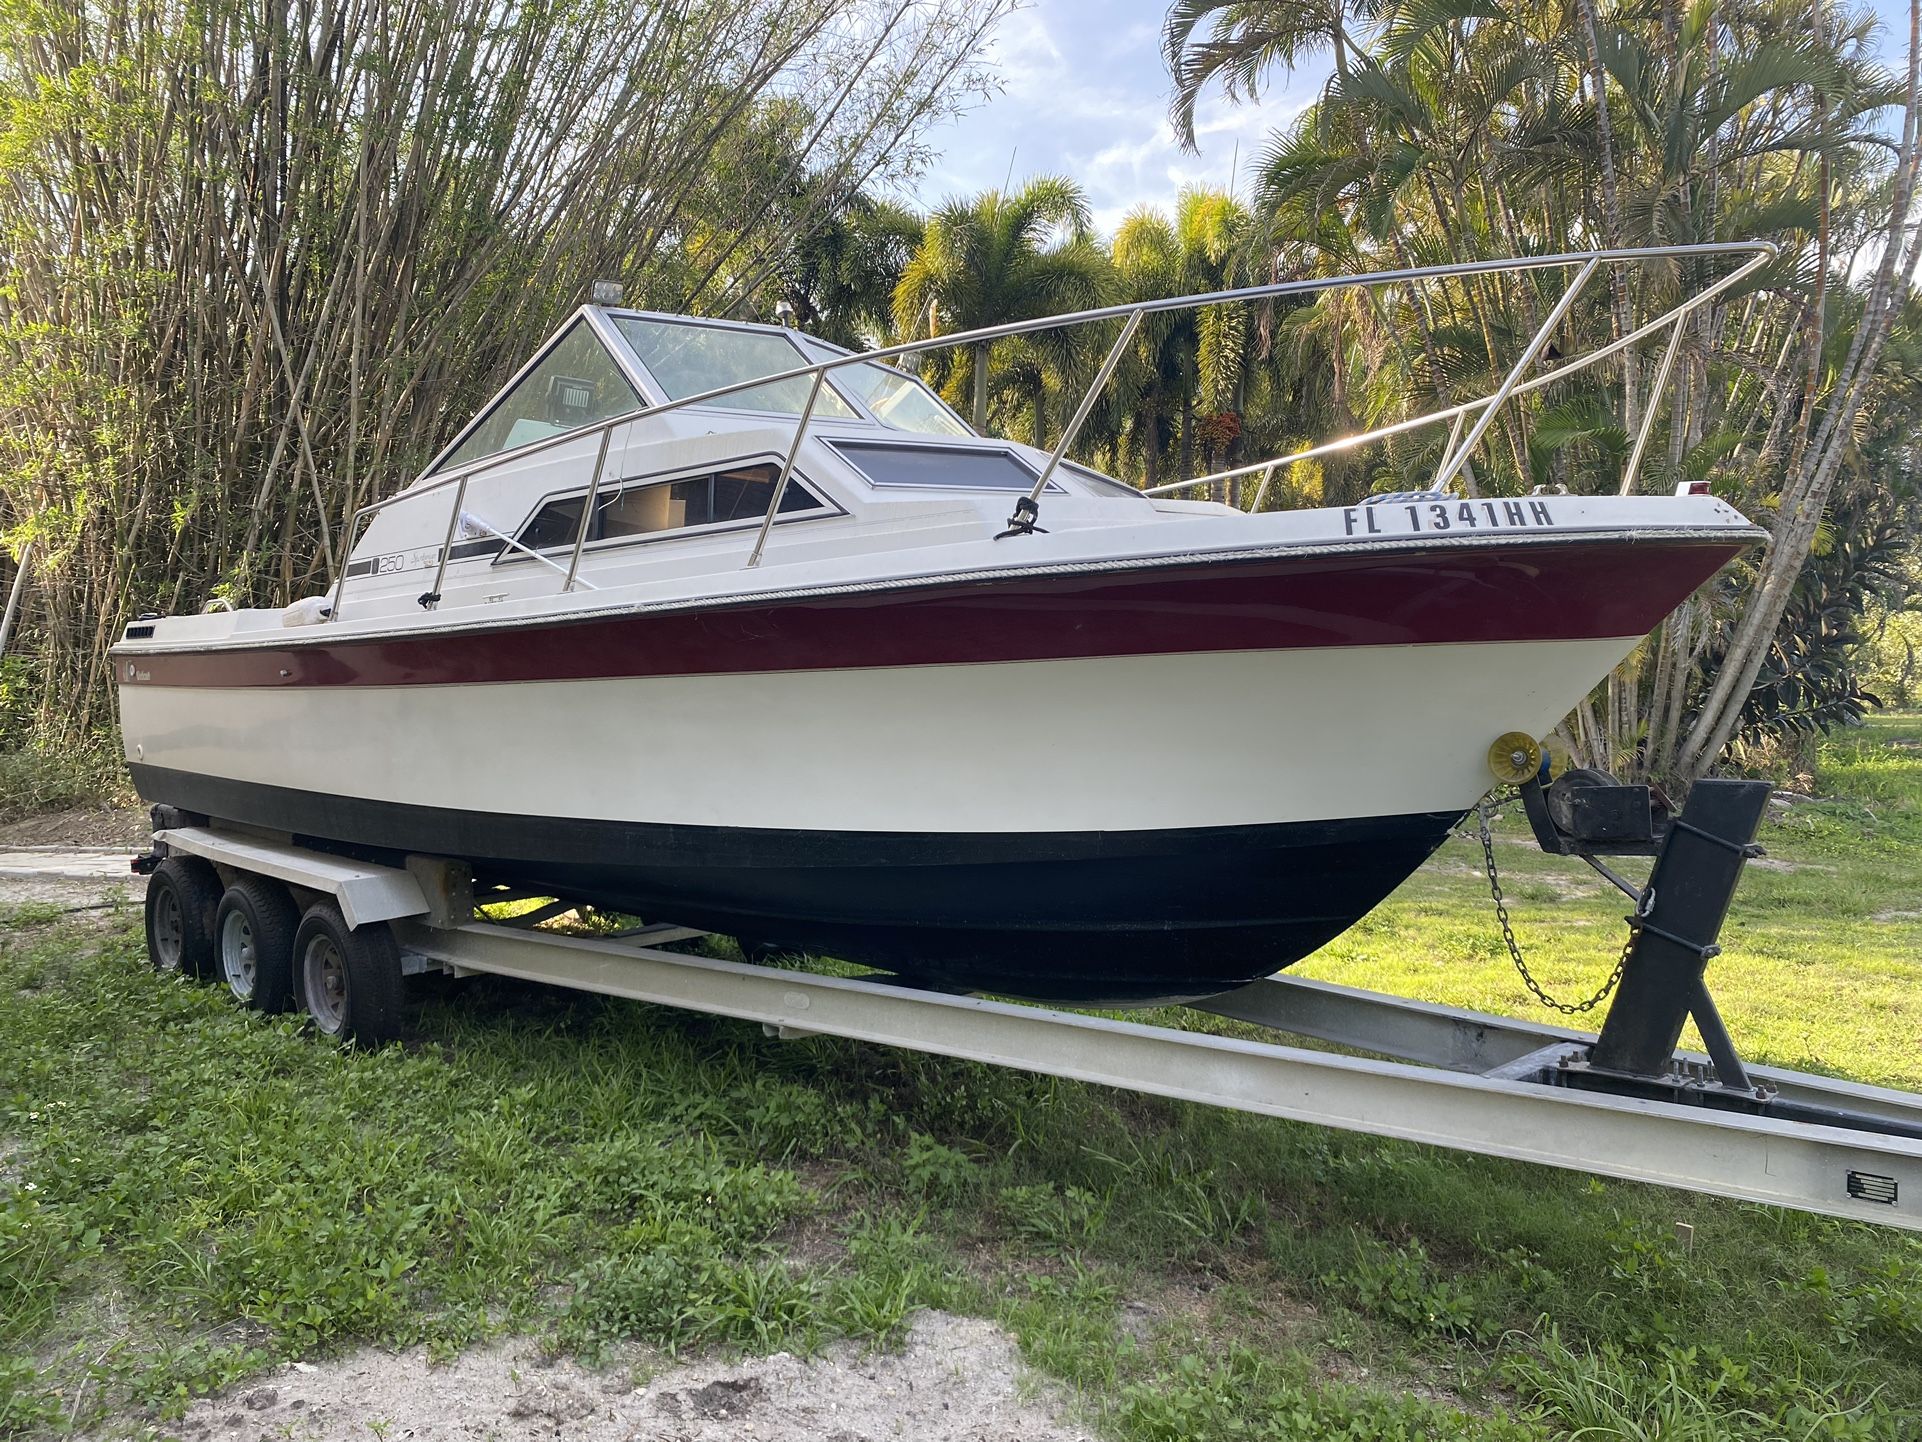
(1244, 39)
(1159, 367)
(1460, 132)
(840, 279)
(1000, 258)
(1210, 226)
(1187, 361)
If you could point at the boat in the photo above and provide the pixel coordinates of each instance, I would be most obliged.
(711, 622)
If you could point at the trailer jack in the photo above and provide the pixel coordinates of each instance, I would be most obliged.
(1675, 925)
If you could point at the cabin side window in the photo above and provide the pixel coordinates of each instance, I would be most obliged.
(635, 510)
(898, 400)
(901, 401)
(1106, 487)
(576, 384)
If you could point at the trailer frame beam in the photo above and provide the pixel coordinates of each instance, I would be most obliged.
(1779, 1162)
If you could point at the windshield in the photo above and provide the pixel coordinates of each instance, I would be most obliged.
(689, 359)
(575, 384)
(900, 400)
(1107, 487)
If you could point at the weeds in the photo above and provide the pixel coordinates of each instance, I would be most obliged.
(1247, 1395)
(1398, 1285)
(943, 1173)
(1684, 1395)
(47, 778)
(1885, 1306)
(1052, 1218)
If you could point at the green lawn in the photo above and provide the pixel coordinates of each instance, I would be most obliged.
(188, 1193)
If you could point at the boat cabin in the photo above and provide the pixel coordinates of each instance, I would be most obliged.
(883, 463)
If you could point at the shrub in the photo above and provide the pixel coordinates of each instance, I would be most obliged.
(41, 778)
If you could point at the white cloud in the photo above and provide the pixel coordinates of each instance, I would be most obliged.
(1085, 94)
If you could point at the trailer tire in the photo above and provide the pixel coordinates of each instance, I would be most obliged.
(254, 943)
(182, 895)
(348, 978)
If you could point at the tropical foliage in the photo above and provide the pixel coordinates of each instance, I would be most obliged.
(1000, 258)
(1461, 132)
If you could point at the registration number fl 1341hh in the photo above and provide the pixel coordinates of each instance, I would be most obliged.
(1401, 518)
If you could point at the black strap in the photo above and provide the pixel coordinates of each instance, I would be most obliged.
(1022, 522)
(1641, 924)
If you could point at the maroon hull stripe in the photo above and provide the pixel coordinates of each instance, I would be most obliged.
(1571, 591)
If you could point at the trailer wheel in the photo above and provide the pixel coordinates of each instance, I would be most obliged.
(182, 896)
(254, 936)
(348, 978)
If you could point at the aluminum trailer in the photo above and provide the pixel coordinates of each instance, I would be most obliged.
(286, 924)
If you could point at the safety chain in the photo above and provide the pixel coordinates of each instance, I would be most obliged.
(1515, 950)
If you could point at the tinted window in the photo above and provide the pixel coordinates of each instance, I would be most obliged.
(1104, 486)
(576, 384)
(648, 508)
(897, 399)
(689, 359)
(969, 469)
(554, 524)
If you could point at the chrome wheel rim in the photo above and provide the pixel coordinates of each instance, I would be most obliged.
(239, 958)
(326, 977)
(169, 930)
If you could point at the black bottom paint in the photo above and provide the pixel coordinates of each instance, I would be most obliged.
(1085, 916)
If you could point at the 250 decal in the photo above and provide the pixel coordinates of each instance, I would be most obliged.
(1401, 520)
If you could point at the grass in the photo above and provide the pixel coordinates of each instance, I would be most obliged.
(188, 1193)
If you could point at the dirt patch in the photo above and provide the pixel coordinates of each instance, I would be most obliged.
(70, 877)
(1172, 1305)
(956, 1379)
(83, 898)
(813, 1243)
(1346, 1370)
(1567, 886)
(1772, 863)
(126, 826)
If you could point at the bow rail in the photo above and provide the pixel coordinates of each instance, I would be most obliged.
(1483, 409)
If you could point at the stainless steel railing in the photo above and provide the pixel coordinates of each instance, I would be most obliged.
(1671, 319)
(1456, 454)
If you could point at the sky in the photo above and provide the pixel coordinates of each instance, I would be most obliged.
(1085, 94)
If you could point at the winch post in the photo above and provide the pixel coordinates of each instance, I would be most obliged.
(1684, 905)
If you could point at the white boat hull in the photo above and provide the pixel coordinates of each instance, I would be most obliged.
(1123, 743)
